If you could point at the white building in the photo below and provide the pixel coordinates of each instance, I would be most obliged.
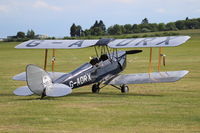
(39, 36)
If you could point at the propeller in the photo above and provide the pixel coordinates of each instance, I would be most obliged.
(39, 82)
(133, 51)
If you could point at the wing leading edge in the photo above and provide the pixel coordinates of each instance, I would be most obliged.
(141, 78)
(56, 44)
(169, 41)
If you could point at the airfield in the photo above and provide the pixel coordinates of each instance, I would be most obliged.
(164, 107)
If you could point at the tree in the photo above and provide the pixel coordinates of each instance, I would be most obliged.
(78, 31)
(96, 24)
(102, 26)
(128, 28)
(180, 24)
(21, 35)
(115, 30)
(144, 28)
(171, 26)
(87, 32)
(98, 28)
(136, 29)
(145, 21)
(30, 34)
(161, 27)
(97, 31)
(73, 30)
(192, 24)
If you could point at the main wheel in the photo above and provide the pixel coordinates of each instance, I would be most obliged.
(124, 89)
(95, 88)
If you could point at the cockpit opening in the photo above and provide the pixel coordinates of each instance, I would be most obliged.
(103, 57)
(94, 61)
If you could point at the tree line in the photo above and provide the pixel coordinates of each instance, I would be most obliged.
(22, 36)
(99, 28)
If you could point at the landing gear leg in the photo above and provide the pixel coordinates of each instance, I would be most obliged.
(124, 89)
(95, 88)
(43, 94)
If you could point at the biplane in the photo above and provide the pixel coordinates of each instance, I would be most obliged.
(103, 69)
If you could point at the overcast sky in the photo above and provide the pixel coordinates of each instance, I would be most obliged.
(54, 17)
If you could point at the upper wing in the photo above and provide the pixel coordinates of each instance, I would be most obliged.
(169, 41)
(141, 78)
(56, 44)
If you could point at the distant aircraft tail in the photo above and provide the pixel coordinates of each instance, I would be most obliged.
(40, 83)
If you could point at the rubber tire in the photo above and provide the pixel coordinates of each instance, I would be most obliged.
(95, 88)
(124, 89)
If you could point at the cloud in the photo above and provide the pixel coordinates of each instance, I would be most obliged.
(161, 10)
(4, 8)
(42, 4)
(124, 1)
(198, 10)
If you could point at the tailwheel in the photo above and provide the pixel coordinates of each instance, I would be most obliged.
(95, 88)
(124, 89)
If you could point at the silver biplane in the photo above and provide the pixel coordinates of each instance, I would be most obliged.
(104, 69)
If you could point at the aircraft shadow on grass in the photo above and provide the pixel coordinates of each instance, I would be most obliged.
(101, 95)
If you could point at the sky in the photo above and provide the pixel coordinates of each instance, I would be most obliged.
(55, 17)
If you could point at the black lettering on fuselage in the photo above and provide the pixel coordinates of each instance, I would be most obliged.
(78, 44)
(81, 80)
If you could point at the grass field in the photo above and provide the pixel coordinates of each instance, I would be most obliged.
(167, 107)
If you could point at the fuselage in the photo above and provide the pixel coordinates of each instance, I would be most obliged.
(98, 70)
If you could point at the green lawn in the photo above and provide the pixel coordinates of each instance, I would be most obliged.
(167, 107)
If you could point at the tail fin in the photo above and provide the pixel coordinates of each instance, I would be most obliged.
(40, 83)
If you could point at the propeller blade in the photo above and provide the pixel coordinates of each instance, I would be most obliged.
(133, 51)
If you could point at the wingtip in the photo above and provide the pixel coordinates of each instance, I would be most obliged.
(185, 72)
(188, 37)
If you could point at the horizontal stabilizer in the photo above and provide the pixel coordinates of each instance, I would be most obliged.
(53, 75)
(23, 91)
(58, 90)
(141, 78)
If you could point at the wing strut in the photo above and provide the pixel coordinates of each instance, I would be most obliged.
(53, 60)
(150, 60)
(96, 51)
(45, 59)
(159, 58)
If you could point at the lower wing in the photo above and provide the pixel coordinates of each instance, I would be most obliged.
(141, 78)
